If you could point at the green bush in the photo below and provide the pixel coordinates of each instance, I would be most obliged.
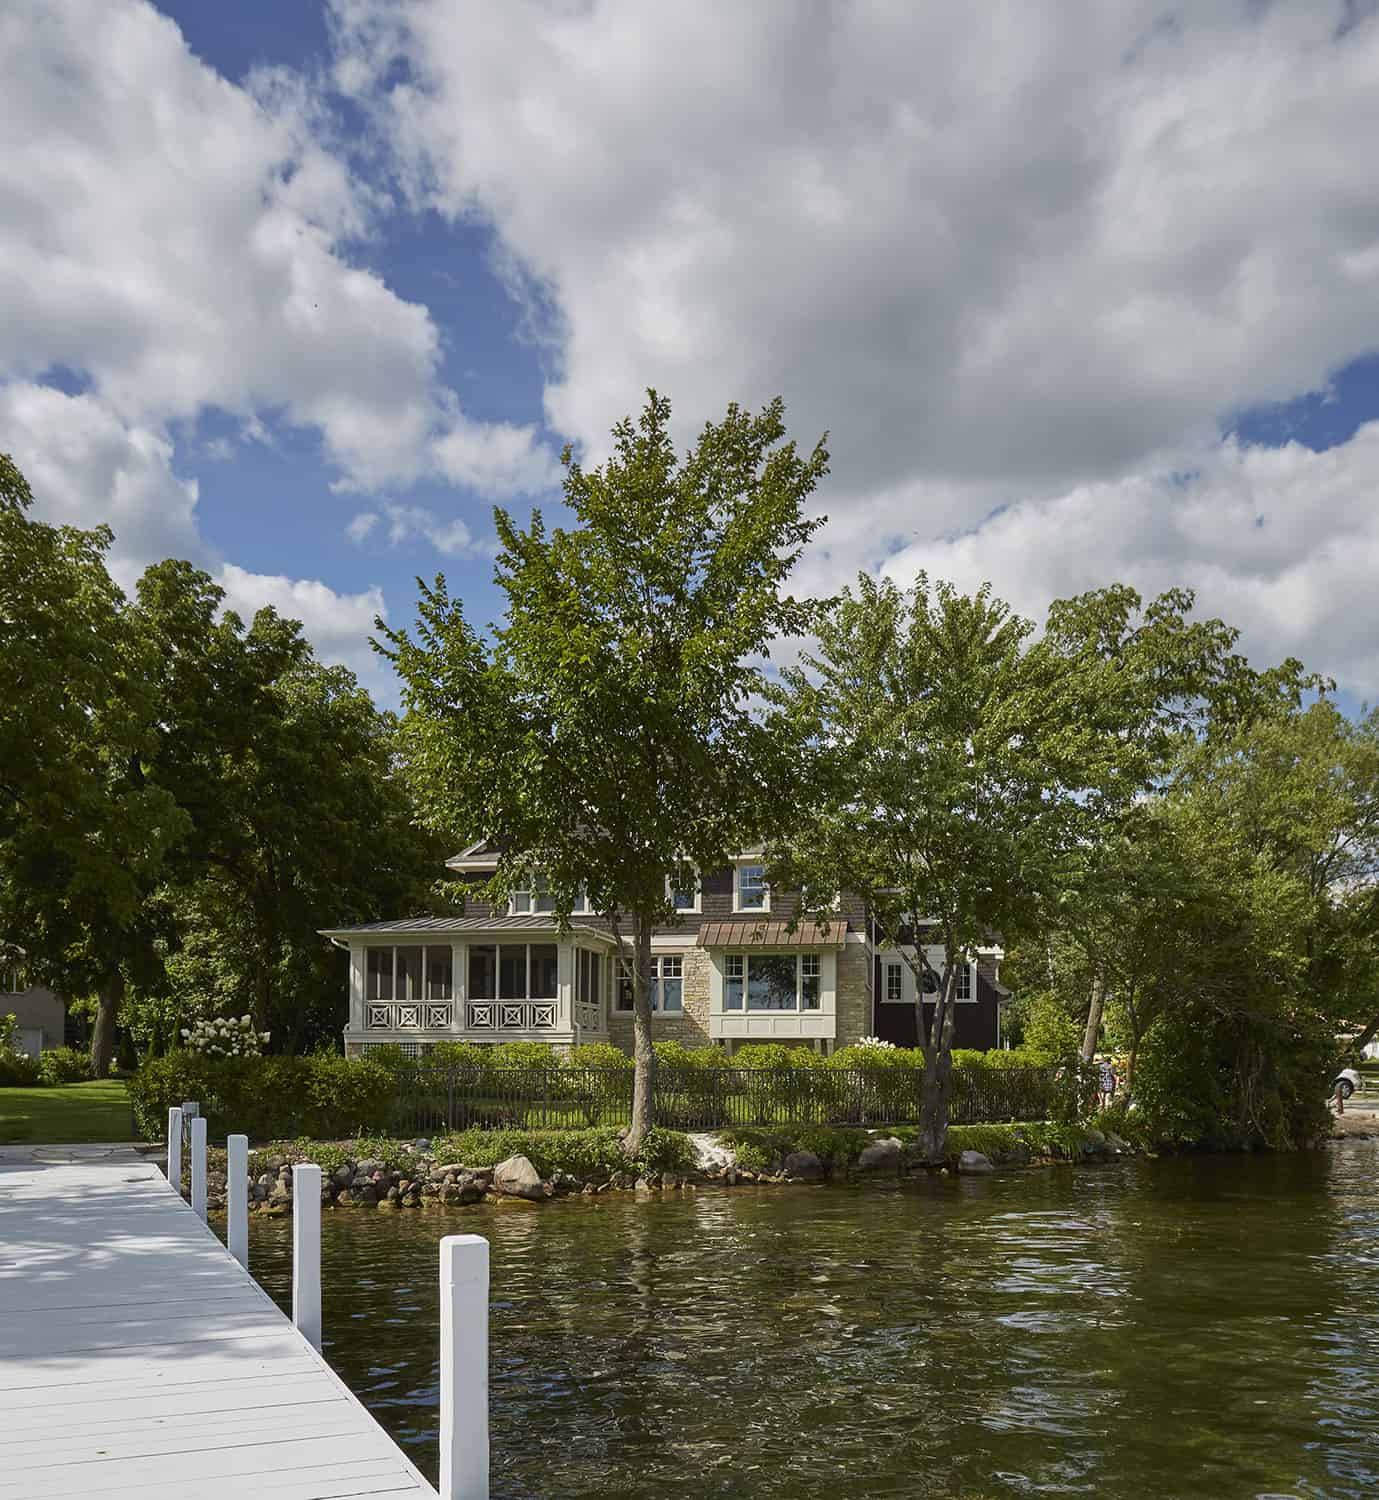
(677, 1055)
(17, 1070)
(763, 1149)
(64, 1065)
(324, 1096)
(522, 1055)
(775, 1056)
(877, 1057)
(601, 1055)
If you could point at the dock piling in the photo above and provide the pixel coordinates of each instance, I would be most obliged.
(306, 1251)
(464, 1291)
(175, 1149)
(199, 1168)
(237, 1197)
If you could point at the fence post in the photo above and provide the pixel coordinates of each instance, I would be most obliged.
(237, 1197)
(199, 1168)
(464, 1367)
(450, 1097)
(175, 1149)
(306, 1251)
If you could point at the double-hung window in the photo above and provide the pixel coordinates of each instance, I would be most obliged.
(750, 889)
(667, 985)
(771, 981)
(532, 899)
(682, 889)
(894, 991)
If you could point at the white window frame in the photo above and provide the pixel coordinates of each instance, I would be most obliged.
(892, 969)
(522, 900)
(696, 905)
(658, 976)
(750, 864)
(744, 959)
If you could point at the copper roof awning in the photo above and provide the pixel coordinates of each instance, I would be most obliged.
(762, 934)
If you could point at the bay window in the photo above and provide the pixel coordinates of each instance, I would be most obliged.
(771, 981)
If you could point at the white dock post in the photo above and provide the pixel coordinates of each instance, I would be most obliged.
(464, 1367)
(306, 1251)
(199, 1168)
(175, 1149)
(237, 1197)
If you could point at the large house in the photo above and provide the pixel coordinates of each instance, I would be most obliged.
(732, 969)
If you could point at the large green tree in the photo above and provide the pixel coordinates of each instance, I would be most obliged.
(85, 832)
(969, 766)
(299, 817)
(606, 735)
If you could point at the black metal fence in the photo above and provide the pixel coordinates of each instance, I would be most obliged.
(456, 1097)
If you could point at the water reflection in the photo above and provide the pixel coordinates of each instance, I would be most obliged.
(1177, 1328)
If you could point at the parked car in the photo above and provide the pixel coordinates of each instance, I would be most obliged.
(1347, 1080)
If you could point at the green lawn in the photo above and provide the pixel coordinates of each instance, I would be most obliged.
(69, 1113)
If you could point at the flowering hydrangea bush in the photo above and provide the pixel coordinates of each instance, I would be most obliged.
(876, 1043)
(225, 1037)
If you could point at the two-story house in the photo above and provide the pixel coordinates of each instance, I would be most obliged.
(732, 969)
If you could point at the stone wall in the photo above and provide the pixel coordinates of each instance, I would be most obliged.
(853, 998)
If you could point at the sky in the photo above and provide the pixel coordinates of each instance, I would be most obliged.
(1082, 293)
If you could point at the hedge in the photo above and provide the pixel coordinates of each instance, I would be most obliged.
(323, 1096)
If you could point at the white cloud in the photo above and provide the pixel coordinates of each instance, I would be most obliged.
(184, 244)
(1006, 255)
(1281, 542)
(338, 625)
(408, 523)
(361, 527)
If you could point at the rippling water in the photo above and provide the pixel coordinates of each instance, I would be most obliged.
(1184, 1328)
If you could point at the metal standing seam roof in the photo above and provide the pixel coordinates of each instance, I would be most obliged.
(409, 925)
(758, 934)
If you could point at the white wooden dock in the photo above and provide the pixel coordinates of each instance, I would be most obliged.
(137, 1358)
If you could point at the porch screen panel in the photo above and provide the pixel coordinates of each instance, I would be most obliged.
(380, 974)
(483, 971)
(512, 971)
(544, 981)
(439, 974)
(409, 966)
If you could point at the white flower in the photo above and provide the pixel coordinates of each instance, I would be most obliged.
(245, 1021)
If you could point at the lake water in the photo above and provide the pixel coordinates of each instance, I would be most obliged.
(1191, 1327)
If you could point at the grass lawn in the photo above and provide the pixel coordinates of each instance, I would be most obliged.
(69, 1113)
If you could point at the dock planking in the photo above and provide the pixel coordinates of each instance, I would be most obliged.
(138, 1358)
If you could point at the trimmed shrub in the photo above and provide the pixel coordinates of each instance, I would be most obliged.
(323, 1096)
(602, 1055)
(64, 1065)
(775, 1056)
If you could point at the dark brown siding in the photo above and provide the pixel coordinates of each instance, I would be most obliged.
(974, 1025)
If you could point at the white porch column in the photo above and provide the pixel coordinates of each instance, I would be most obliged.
(459, 988)
(565, 984)
(356, 986)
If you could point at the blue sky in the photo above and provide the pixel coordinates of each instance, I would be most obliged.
(302, 291)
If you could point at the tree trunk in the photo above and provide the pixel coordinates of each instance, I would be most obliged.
(1366, 1036)
(643, 1056)
(107, 1015)
(936, 1086)
(1094, 1010)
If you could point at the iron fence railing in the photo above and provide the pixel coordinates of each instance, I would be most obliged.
(456, 1097)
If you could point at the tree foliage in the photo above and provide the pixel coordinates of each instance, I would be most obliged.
(604, 735)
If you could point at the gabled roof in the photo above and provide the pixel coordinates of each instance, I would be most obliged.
(480, 855)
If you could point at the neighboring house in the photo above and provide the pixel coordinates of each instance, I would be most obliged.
(41, 1014)
(730, 971)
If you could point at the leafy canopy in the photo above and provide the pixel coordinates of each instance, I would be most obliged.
(605, 734)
